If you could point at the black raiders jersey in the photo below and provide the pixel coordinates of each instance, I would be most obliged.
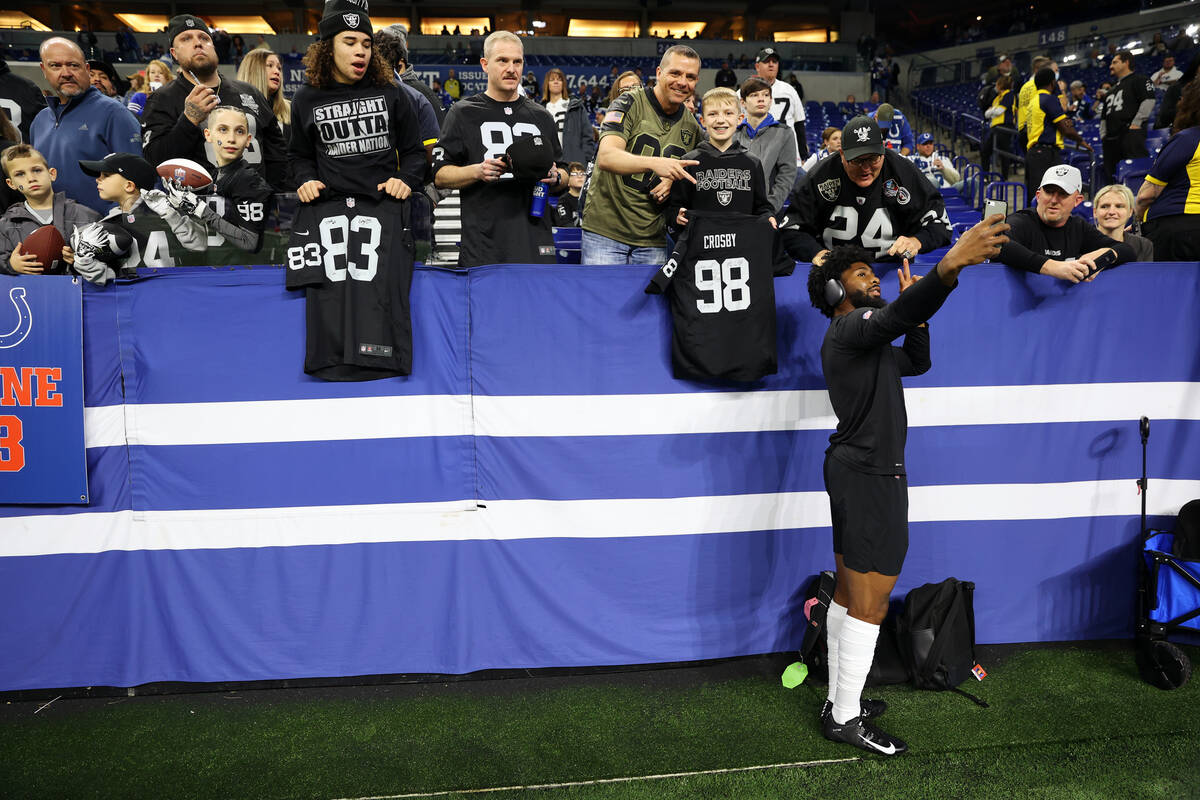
(496, 224)
(354, 258)
(721, 285)
(828, 209)
(240, 204)
(1122, 102)
(156, 245)
(729, 180)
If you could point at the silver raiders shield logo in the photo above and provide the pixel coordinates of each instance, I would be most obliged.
(830, 189)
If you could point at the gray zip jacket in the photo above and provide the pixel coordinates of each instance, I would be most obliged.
(775, 146)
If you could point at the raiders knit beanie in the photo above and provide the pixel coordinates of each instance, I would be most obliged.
(184, 22)
(344, 15)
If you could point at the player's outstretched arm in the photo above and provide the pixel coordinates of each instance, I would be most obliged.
(978, 244)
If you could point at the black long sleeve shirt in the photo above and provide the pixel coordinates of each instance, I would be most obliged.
(1031, 241)
(353, 138)
(863, 370)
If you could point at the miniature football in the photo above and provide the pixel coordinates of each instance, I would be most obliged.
(47, 244)
(186, 171)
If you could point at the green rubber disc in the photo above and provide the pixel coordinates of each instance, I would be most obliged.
(794, 675)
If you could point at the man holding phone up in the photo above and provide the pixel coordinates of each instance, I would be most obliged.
(865, 475)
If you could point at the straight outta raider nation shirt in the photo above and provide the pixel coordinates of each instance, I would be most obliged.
(353, 138)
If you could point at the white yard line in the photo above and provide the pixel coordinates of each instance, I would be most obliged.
(598, 781)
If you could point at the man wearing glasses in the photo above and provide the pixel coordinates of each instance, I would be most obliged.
(869, 196)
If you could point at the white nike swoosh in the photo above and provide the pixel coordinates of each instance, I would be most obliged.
(890, 750)
(300, 233)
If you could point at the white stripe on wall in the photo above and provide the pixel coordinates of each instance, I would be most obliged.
(618, 415)
(538, 519)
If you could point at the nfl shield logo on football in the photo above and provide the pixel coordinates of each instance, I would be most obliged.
(349, 202)
(724, 196)
(351, 20)
(180, 174)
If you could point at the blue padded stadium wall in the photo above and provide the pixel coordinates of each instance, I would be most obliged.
(542, 492)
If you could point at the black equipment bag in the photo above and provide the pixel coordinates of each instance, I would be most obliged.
(889, 666)
(1187, 532)
(939, 623)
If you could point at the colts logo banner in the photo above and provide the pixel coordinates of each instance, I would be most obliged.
(24, 319)
(351, 20)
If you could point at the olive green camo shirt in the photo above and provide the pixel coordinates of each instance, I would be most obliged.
(620, 206)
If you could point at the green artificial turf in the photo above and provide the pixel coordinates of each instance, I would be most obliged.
(1063, 722)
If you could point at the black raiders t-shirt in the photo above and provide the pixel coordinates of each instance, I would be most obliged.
(1122, 102)
(496, 225)
(729, 180)
(720, 281)
(828, 209)
(354, 258)
(353, 138)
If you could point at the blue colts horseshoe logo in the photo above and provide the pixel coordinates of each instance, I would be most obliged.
(24, 319)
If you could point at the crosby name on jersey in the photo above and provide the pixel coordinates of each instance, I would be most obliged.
(720, 282)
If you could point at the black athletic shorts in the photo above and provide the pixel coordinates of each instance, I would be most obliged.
(870, 517)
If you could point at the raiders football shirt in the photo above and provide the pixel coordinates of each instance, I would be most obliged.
(729, 180)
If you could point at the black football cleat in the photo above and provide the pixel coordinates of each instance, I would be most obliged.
(870, 709)
(864, 736)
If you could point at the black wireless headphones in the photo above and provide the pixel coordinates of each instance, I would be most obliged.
(835, 293)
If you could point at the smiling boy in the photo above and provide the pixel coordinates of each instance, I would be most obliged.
(727, 177)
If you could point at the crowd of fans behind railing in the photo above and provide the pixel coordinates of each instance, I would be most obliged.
(179, 106)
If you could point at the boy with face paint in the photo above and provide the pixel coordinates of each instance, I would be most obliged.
(236, 210)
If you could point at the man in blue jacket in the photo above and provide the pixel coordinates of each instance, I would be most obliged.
(79, 122)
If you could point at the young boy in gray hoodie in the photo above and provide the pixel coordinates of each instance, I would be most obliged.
(772, 142)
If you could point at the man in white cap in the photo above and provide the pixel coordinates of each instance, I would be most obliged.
(785, 103)
(1050, 240)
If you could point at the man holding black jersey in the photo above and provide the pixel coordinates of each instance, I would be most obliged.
(864, 464)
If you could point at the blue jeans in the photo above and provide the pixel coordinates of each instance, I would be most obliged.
(599, 249)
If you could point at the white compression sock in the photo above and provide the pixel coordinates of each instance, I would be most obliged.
(834, 618)
(856, 651)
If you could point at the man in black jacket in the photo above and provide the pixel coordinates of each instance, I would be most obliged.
(20, 98)
(173, 122)
(1050, 240)
(868, 196)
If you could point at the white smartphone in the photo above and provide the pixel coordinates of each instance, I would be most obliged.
(994, 207)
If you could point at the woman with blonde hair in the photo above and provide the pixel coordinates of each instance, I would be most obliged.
(263, 69)
(570, 117)
(625, 81)
(158, 75)
(1112, 207)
